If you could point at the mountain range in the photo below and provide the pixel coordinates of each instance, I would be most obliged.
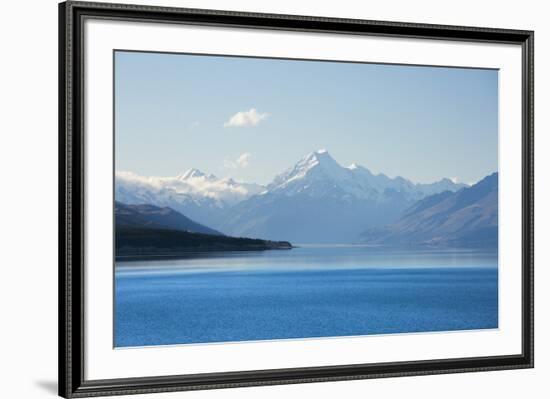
(201, 197)
(315, 201)
(467, 218)
(320, 201)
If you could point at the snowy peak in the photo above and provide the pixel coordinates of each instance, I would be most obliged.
(318, 174)
(195, 174)
(190, 173)
(314, 165)
(444, 184)
(318, 158)
(322, 157)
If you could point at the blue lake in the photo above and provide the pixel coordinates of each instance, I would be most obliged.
(311, 291)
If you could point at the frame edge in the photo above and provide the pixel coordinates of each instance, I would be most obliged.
(63, 321)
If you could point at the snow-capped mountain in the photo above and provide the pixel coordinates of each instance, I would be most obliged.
(200, 196)
(320, 175)
(319, 201)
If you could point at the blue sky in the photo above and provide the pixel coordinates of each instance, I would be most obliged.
(252, 118)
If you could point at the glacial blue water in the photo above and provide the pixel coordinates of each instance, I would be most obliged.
(311, 291)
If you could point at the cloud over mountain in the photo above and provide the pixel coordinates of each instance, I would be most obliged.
(202, 197)
(242, 161)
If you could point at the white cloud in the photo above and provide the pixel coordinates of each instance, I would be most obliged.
(241, 162)
(248, 118)
(454, 180)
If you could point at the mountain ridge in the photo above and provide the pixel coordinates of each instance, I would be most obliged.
(197, 195)
(466, 218)
(359, 180)
(319, 201)
(316, 200)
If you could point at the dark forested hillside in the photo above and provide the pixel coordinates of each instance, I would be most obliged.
(145, 242)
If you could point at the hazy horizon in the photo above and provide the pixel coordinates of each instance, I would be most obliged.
(206, 172)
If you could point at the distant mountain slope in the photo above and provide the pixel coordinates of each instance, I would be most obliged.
(320, 201)
(467, 218)
(148, 242)
(154, 217)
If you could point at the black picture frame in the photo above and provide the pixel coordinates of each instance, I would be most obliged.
(71, 196)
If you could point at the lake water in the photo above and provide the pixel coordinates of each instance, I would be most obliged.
(310, 291)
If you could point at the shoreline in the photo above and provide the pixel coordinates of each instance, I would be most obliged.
(188, 253)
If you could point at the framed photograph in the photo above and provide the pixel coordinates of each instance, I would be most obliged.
(254, 199)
